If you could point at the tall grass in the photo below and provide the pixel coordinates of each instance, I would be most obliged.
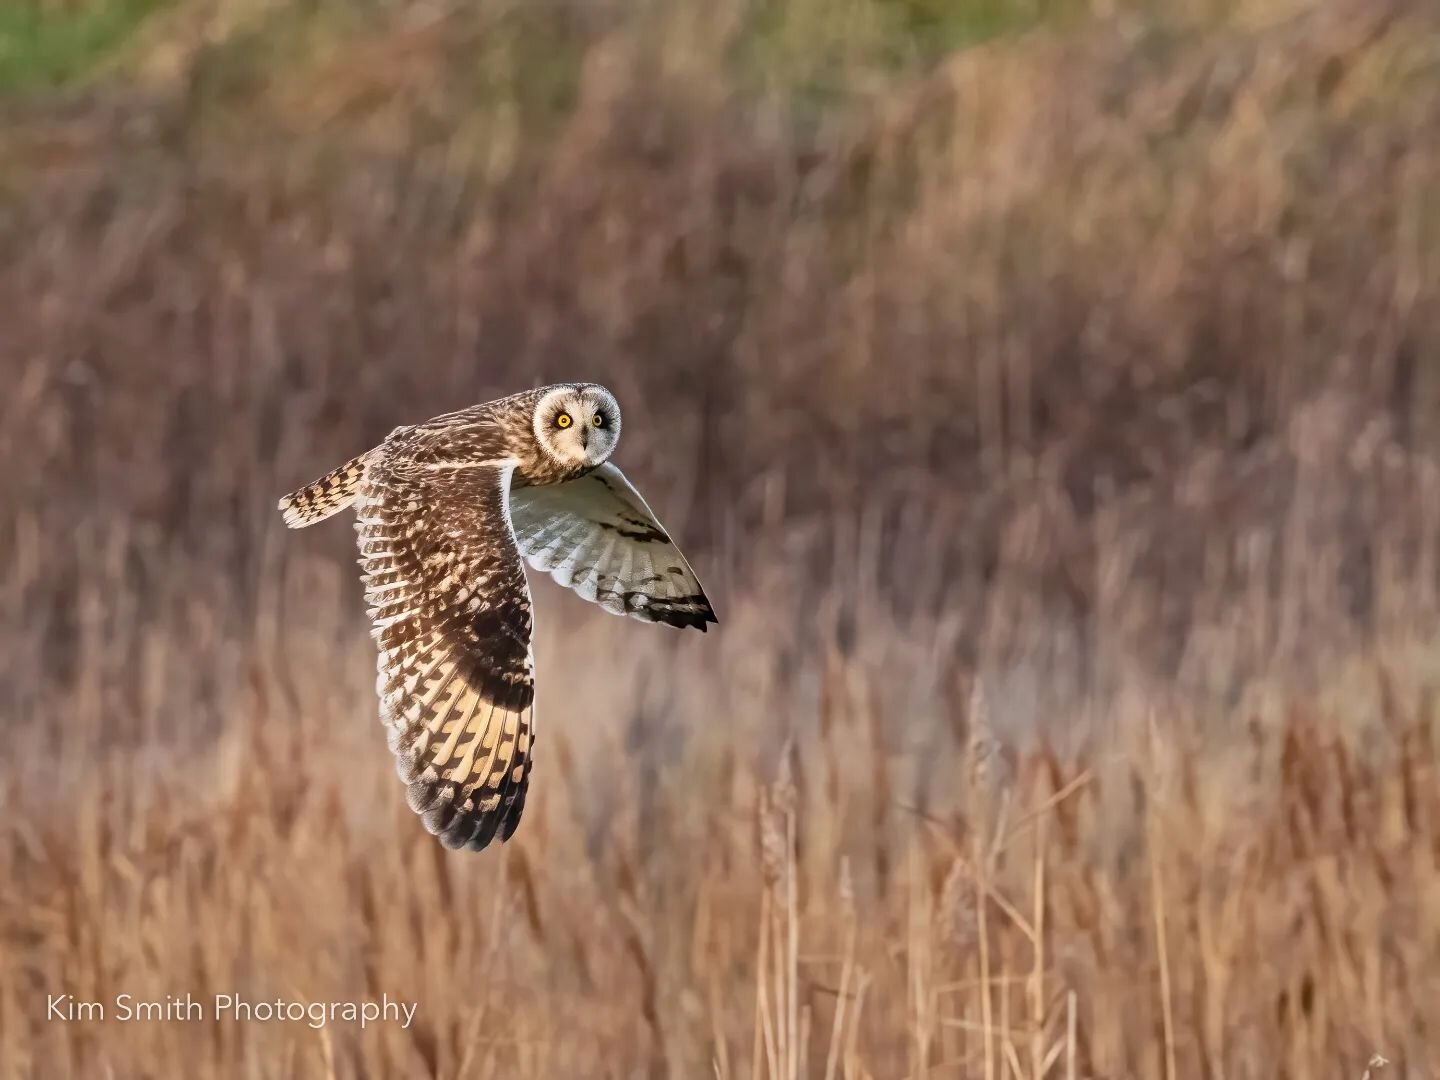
(1051, 419)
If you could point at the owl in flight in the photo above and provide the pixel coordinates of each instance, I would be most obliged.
(446, 509)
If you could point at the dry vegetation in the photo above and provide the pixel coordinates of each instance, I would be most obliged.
(1053, 417)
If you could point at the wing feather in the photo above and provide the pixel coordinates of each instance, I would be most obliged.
(451, 615)
(596, 535)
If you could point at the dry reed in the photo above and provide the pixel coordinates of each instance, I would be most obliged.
(1054, 425)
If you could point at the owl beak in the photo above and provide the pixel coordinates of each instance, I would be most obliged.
(585, 437)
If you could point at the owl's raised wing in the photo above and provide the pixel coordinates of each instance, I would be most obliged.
(451, 613)
(596, 535)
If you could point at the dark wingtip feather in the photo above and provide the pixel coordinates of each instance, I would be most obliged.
(683, 618)
(707, 616)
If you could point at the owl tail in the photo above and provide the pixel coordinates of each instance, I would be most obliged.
(331, 493)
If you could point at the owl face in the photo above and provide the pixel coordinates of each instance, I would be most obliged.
(578, 425)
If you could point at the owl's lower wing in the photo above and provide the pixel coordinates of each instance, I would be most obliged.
(451, 613)
(596, 535)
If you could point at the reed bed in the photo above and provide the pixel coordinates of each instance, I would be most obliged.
(1046, 400)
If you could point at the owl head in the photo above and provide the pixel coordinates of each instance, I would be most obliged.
(578, 424)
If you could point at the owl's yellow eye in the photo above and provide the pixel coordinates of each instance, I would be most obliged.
(563, 420)
(598, 419)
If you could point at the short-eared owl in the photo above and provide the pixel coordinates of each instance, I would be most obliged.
(446, 509)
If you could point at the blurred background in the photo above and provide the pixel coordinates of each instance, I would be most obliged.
(1044, 389)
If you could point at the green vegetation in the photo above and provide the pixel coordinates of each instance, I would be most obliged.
(934, 27)
(45, 46)
(819, 52)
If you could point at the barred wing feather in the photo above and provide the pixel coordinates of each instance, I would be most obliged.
(451, 613)
(597, 536)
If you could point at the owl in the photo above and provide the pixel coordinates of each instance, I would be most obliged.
(446, 510)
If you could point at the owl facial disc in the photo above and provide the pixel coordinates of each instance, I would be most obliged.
(578, 425)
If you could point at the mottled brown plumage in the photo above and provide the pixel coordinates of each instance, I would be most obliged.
(445, 511)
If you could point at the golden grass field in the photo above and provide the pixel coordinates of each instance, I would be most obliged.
(1046, 393)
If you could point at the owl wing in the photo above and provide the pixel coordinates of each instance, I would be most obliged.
(596, 535)
(451, 613)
